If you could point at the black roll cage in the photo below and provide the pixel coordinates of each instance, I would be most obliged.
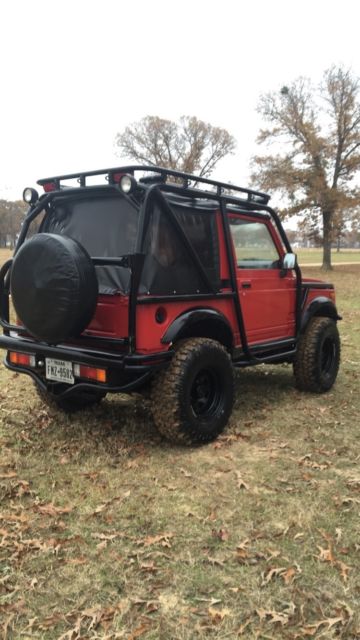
(155, 185)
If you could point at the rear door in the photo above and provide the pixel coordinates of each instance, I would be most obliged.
(267, 297)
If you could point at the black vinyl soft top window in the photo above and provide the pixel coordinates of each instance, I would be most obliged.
(106, 226)
(169, 267)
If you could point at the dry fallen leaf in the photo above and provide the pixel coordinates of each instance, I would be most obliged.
(139, 631)
(241, 484)
(271, 573)
(162, 538)
(344, 569)
(289, 575)
(243, 627)
(217, 615)
(312, 629)
(273, 616)
(338, 532)
(50, 509)
(34, 582)
(222, 534)
(102, 507)
(326, 555)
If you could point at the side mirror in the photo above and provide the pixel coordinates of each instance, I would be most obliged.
(289, 261)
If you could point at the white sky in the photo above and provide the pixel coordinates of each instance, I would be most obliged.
(74, 73)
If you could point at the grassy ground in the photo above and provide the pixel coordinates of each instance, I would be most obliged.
(107, 531)
(306, 256)
(4, 255)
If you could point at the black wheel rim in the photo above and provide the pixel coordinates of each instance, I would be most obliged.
(205, 394)
(328, 355)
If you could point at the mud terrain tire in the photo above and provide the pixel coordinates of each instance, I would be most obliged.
(193, 398)
(317, 359)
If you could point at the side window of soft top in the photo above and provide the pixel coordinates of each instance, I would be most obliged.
(253, 243)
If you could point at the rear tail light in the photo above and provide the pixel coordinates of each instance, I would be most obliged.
(92, 373)
(49, 186)
(22, 358)
(117, 177)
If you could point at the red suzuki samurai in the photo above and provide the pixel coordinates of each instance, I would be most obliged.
(141, 276)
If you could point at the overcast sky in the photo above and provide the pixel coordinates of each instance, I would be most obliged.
(74, 73)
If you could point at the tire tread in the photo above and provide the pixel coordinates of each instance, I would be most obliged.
(165, 406)
(304, 364)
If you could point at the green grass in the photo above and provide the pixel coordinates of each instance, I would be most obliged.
(306, 256)
(108, 531)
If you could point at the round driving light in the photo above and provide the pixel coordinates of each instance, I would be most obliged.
(30, 195)
(127, 183)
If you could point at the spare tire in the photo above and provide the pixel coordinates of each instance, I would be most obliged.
(54, 287)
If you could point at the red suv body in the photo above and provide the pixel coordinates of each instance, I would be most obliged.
(165, 278)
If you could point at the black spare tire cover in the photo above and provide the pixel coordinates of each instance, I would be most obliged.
(54, 287)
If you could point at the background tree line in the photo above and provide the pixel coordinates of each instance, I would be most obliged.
(11, 217)
(312, 135)
(313, 159)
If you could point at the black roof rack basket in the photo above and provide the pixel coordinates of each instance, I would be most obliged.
(161, 175)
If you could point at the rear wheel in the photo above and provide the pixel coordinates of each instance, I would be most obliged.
(317, 359)
(76, 402)
(193, 398)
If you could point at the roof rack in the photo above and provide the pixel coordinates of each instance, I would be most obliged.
(163, 174)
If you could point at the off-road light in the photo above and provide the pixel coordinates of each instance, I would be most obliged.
(30, 196)
(127, 183)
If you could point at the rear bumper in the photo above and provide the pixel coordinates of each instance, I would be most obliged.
(126, 371)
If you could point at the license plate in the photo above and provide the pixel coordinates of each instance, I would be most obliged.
(59, 370)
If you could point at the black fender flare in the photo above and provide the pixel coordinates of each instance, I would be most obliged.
(200, 322)
(320, 306)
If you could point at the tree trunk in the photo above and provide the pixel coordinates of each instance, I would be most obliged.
(327, 219)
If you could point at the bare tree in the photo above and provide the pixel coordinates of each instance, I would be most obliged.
(317, 155)
(189, 145)
(12, 214)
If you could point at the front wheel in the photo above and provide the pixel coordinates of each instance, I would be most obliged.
(193, 398)
(317, 359)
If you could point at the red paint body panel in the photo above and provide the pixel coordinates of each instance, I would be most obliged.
(149, 332)
(268, 305)
(111, 317)
(267, 301)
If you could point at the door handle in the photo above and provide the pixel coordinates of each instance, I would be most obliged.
(246, 285)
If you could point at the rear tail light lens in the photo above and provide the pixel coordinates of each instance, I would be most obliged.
(49, 186)
(22, 358)
(117, 177)
(92, 373)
